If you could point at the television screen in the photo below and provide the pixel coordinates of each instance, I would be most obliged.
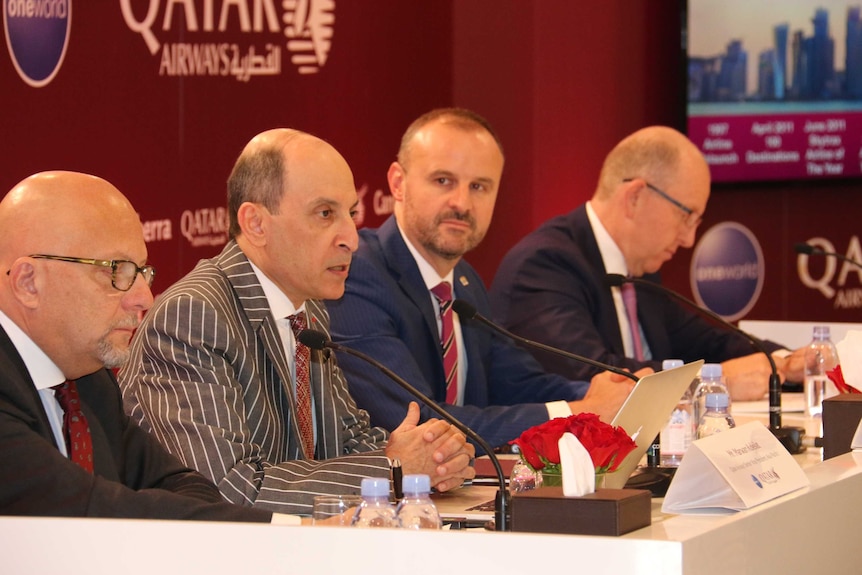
(775, 87)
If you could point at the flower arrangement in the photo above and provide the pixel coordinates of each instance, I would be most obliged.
(606, 444)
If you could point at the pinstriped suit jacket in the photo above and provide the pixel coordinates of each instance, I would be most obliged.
(208, 375)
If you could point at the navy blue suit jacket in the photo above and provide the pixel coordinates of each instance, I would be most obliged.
(550, 288)
(386, 312)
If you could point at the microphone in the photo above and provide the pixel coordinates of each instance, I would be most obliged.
(790, 437)
(467, 311)
(809, 250)
(502, 516)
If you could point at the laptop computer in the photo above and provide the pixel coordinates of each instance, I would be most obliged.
(642, 415)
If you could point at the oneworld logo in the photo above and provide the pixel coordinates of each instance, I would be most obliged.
(727, 270)
(304, 27)
(37, 34)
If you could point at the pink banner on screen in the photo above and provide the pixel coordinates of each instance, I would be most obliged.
(779, 146)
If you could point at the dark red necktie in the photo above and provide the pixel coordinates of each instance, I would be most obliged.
(443, 293)
(79, 444)
(303, 387)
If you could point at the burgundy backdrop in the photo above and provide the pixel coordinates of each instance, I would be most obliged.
(562, 82)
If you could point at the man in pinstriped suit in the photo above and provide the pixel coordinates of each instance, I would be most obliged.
(212, 370)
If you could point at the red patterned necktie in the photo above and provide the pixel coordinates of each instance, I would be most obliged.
(630, 301)
(79, 444)
(303, 386)
(443, 293)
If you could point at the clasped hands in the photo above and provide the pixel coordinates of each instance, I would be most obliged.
(434, 448)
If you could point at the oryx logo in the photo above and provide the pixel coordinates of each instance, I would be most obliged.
(240, 38)
(37, 34)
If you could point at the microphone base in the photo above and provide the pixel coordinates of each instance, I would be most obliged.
(656, 480)
(791, 438)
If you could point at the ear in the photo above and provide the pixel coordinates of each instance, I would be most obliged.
(253, 221)
(25, 282)
(396, 176)
(631, 195)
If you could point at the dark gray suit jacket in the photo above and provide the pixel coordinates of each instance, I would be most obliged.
(209, 377)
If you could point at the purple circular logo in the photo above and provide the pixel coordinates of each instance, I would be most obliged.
(37, 34)
(727, 270)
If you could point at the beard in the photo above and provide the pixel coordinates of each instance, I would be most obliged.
(112, 354)
(448, 246)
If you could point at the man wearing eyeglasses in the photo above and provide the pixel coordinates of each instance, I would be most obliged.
(75, 285)
(649, 201)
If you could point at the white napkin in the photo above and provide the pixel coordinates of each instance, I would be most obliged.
(850, 354)
(579, 475)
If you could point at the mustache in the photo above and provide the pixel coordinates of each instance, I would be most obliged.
(131, 322)
(459, 216)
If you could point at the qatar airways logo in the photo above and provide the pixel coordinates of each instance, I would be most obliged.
(835, 279)
(37, 34)
(205, 226)
(303, 27)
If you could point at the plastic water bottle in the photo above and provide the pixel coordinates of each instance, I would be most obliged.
(717, 418)
(820, 357)
(677, 434)
(375, 509)
(710, 381)
(416, 510)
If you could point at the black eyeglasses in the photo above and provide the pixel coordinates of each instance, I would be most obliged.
(692, 218)
(123, 272)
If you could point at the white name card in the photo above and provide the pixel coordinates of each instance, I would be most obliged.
(856, 443)
(731, 471)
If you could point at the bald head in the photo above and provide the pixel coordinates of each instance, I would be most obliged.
(71, 310)
(655, 153)
(59, 211)
(262, 171)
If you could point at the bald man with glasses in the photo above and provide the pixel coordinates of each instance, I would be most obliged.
(650, 198)
(66, 317)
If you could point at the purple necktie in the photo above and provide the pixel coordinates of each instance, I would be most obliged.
(630, 300)
(443, 293)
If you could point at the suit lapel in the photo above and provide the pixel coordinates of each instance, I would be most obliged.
(236, 267)
(20, 391)
(404, 269)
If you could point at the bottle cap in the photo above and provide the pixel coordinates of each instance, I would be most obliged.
(717, 400)
(375, 487)
(671, 363)
(821, 332)
(710, 370)
(416, 484)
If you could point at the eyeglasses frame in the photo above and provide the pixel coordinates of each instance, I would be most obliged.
(143, 270)
(692, 218)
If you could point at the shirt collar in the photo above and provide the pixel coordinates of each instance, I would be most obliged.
(43, 371)
(612, 256)
(429, 274)
(279, 304)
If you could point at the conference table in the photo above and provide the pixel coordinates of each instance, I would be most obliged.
(813, 529)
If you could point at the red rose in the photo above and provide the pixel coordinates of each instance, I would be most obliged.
(607, 445)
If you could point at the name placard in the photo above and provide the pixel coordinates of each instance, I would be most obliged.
(732, 471)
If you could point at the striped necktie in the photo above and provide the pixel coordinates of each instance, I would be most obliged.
(76, 430)
(443, 293)
(303, 387)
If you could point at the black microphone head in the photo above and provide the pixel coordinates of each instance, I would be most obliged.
(313, 339)
(615, 280)
(464, 309)
(803, 248)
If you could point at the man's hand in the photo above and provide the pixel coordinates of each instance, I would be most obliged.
(607, 392)
(792, 367)
(747, 377)
(435, 448)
